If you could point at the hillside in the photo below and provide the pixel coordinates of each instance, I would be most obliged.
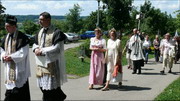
(22, 18)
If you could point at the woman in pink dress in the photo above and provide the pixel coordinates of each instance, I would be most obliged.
(98, 47)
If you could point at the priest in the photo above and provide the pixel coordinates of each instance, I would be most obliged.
(15, 56)
(49, 55)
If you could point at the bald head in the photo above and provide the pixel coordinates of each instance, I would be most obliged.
(135, 30)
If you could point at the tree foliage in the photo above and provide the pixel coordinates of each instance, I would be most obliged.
(2, 10)
(118, 13)
(90, 21)
(29, 27)
(154, 21)
(73, 19)
(177, 21)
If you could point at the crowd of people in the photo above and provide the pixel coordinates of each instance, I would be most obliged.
(49, 55)
(137, 49)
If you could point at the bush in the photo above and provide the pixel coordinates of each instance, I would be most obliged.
(86, 45)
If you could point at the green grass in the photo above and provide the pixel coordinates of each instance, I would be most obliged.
(74, 66)
(172, 92)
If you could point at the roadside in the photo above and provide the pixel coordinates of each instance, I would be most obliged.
(135, 87)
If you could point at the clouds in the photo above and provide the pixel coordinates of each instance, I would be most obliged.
(61, 7)
(54, 7)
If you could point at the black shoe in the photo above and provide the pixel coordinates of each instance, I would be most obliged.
(162, 72)
(170, 71)
(119, 84)
(133, 72)
(139, 72)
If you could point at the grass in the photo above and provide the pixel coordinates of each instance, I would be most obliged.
(74, 66)
(172, 92)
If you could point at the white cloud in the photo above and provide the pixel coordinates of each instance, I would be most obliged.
(61, 7)
(26, 7)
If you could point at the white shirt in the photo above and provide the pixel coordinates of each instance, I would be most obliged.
(166, 46)
(147, 43)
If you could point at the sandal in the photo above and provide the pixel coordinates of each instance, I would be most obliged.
(90, 87)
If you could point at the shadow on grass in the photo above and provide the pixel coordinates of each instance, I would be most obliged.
(127, 88)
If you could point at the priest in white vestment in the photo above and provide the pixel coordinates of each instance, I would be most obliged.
(49, 55)
(135, 45)
(15, 56)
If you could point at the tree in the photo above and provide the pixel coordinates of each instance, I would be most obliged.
(154, 21)
(178, 20)
(73, 19)
(29, 27)
(118, 13)
(2, 10)
(61, 24)
(90, 21)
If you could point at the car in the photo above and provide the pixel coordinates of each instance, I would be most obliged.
(88, 34)
(31, 38)
(71, 37)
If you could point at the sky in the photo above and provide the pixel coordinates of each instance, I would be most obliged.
(61, 7)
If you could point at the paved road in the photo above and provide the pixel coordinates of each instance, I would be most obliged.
(135, 87)
(34, 90)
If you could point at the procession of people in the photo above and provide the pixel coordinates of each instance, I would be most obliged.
(50, 60)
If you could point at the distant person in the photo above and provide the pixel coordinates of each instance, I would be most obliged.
(15, 56)
(161, 48)
(49, 49)
(156, 44)
(98, 47)
(128, 53)
(177, 48)
(167, 48)
(146, 48)
(135, 44)
(113, 59)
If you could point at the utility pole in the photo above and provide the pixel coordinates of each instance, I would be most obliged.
(97, 24)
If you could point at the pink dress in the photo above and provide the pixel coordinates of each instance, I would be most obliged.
(97, 62)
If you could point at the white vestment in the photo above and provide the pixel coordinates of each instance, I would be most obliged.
(135, 44)
(22, 65)
(54, 53)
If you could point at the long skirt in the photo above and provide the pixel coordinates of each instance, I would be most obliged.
(97, 68)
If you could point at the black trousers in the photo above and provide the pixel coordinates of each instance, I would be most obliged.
(137, 66)
(53, 95)
(18, 94)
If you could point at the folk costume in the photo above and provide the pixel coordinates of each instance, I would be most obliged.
(17, 72)
(97, 62)
(52, 74)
